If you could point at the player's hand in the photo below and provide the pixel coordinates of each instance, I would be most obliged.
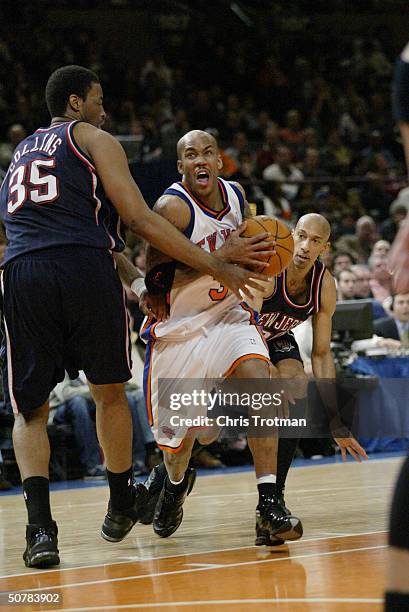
(353, 447)
(248, 252)
(155, 305)
(242, 282)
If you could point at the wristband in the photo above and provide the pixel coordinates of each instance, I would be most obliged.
(138, 287)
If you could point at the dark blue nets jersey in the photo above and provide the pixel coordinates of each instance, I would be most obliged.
(51, 196)
(279, 314)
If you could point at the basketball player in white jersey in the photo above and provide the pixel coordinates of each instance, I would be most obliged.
(209, 333)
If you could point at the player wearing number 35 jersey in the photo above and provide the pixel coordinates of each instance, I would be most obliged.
(78, 216)
(63, 302)
(60, 226)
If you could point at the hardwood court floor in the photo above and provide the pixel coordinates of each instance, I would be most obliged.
(211, 561)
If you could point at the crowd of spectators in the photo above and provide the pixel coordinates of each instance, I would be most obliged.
(303, 130)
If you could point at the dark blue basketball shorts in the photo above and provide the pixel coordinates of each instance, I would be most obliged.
(284, 347)
(64, 309)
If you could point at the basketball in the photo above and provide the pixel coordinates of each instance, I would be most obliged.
(281, 234)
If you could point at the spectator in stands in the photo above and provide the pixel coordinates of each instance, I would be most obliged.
(16, 133)
(245, 175)
(375, 146)
(6, 426)
(337, 155)
(397, 213)
(363, 289)
(5, 485)
(381, 282)
(311, 166)
(284, 170)
(240, 145)
(362, 280)
(397, 325)
(229, 165)
(381, 248)
(276, 204)
(267, 154)
(361, 243)
(374, 194)
(138, 257)
(342, 261)
(171, 131)
(346, 284)
(292, 134)
(70, 404)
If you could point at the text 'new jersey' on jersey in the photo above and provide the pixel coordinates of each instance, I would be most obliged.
(51, 196)
(204, 301)
(280, 314)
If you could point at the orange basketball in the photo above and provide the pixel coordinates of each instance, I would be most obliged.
(281, 234)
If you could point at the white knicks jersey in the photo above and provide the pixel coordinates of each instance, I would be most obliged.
(204, 301)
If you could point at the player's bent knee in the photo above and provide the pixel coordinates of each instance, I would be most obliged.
(38, 414)
(107, 395)
(253, 368)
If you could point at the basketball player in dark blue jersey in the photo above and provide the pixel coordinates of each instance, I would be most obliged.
(397, 580)
(65, 192)
(305, 289)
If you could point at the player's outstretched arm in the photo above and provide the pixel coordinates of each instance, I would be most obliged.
(323, 368)
(112, 167)
(321, 359)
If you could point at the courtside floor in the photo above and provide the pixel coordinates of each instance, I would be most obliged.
(211, 561)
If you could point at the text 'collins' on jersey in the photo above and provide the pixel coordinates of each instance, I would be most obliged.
(51, 196)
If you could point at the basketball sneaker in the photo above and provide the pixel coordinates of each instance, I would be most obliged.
(153, 485)
(169, 510)
(273, 525)
(117, 524)
(42, 546)
(281, 501)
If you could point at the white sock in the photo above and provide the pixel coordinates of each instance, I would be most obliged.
(176, 482)
(267, 479)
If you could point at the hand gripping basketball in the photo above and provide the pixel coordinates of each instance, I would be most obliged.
(281, 234)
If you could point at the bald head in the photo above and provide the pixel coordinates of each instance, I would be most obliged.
(315, 223)
(193, 138)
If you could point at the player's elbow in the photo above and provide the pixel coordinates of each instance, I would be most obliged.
(320, 355)
(141, 224)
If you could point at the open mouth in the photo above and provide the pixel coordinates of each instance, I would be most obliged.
(302, 257)
(202, 177)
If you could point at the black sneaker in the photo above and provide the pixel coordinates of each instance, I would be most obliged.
(42, 546)
(274, 526)
(117, 525)
(153, 485)
(281, 501)
(169, 509)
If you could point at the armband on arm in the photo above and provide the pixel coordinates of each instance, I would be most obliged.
(159, 279)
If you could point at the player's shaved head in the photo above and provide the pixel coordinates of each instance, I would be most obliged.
(315, 223)
(192, 138)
